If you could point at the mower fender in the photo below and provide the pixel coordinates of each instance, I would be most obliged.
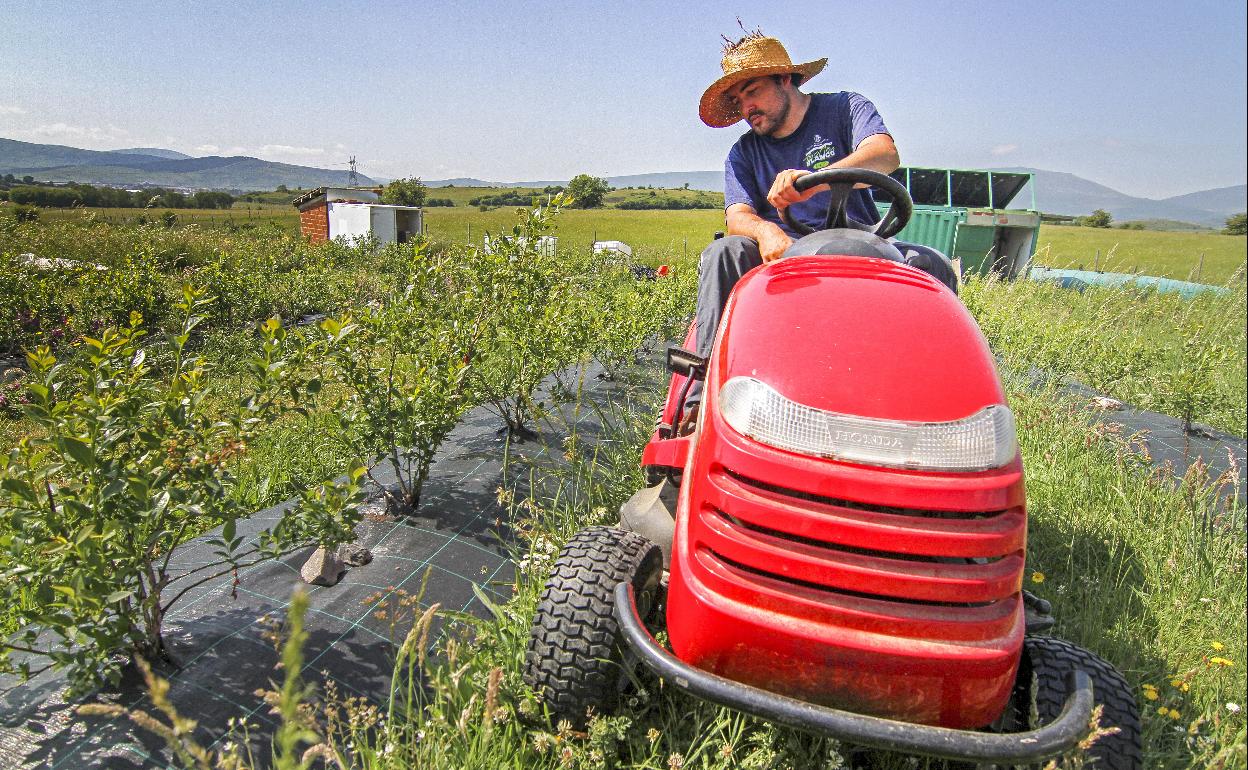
(647, 514)
(1045, 742)
(667, 453)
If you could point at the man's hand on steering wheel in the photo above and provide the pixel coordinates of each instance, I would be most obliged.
(841, 182)
(783, 193)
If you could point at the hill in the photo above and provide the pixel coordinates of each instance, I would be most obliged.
(154, 167)
(712, 181)
(1229, 199)
(154, 152)
(1056, 192)
(1059, 192)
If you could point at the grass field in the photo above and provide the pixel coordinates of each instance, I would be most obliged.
(1206, 257)
(1151, 252)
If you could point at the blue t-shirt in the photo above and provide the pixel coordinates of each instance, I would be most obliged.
(834, 126)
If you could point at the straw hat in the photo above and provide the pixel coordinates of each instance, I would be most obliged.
(755, 56)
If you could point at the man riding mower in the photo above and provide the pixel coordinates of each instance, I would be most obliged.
(847, 548)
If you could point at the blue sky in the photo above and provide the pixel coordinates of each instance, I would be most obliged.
(1147, 97)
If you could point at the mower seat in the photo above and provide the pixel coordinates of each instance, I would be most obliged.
(856, 243)
(850, 243)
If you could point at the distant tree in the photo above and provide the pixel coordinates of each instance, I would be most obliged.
(209, 199)
(1098, 218)
(1236, 224)
(404, 192)
(28, 179)
(281, 188)
(588, 191)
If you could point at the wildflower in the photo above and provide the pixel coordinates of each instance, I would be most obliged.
(1217, 646)
(1162, 710)
(1180, 684)
(1232, 707)
(652, 734)
(541, 742)
(1037, 577)
(1222, 661)
(675, 761)
(1150, 691)
(566, 755)
(1173, 713)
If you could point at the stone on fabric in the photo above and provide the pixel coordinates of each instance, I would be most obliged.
(354, 555)
(323, 568)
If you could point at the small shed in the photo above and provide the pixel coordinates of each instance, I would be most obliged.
(613, 247)
(973, 217)
(353, 213)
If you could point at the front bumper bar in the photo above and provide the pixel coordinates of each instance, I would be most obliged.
(1053, 739)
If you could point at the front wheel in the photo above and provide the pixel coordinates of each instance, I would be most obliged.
(575, 658)
(1046, 662)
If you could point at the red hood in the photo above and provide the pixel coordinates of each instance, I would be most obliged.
(858, 336)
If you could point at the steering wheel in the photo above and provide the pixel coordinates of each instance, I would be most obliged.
(841, 182)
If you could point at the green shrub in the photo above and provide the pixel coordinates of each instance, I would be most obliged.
(401, 367)
(22, 212)
(125, 464)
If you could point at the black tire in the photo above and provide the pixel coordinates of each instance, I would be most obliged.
(1045, 663)
(575, 658)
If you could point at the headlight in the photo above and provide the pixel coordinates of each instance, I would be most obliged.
(976, 443)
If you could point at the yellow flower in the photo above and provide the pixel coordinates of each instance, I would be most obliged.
(1037, 577)
(1180, 684)
(1174, 714)
(1222, 661)
(1163, 710)
(1150, 692)
(1218, 646)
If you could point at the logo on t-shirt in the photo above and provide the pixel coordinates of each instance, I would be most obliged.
(820, 154)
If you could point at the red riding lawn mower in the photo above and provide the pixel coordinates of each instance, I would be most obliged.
(847, 551)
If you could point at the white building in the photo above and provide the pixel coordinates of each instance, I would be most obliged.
(355, 212)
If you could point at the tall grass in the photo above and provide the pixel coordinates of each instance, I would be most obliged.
(1137, 346)
(1203, 257)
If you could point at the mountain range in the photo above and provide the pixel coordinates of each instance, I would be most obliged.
(155, 167)
(1057, 192)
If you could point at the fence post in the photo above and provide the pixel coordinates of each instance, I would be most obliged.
(1201, 267)
(1096, 266)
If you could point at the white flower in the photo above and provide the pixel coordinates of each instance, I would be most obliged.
(1232, 707)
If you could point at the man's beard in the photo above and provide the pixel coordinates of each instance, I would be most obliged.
(769, 124)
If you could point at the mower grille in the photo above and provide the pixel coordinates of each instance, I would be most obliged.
(857, 506)
(852, 549)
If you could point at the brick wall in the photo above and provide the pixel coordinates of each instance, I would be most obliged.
(314, 223)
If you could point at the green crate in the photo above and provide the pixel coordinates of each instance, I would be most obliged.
(964, 214)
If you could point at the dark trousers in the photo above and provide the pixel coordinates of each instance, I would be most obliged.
(722, 264)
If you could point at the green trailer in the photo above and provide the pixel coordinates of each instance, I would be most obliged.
(966, 215)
